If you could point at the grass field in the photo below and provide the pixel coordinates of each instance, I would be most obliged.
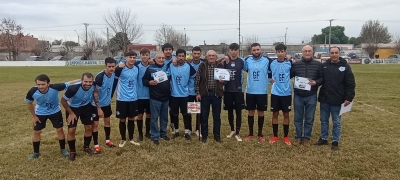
(369, 148)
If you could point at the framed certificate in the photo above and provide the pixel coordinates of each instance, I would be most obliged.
(222, 74)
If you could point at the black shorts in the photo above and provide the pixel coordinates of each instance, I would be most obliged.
(127, 109)
(234, 100)
(84, 113)
(56, 119)
(106, 111)
(176, 103)
(281, 103)
(143, 106)
(192, 98)
(257, 101)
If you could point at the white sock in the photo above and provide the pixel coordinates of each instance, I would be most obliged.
(107, 141)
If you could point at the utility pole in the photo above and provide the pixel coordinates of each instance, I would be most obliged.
(86, 25)
(330, 31)
(241, 50)
(240, 45)
(285, 35)
(108, 44)
(185, 38)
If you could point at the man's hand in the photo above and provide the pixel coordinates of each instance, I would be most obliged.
(272, 81)
(151, 61)
(222, 81)
(71, 118)
(100, 113)
(346, 103)
(35, 119)
(153, 82)
(312, 83)
(189, 60)
(121, 65)
(174, 62)
(198, 97)
(226, 59)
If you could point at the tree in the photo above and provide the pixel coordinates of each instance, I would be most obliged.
(167, 34)
(123, 21)
(42, 46)
(57, 42)
(119, 42)
(373, 33)
(337, 36)
(396, 41)
(69, 46)
(250, 40)
(11, 37)
(355, 41)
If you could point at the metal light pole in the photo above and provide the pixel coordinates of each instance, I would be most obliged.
(240, 45)
(285, 35)
(78, 36)
(86, 25)
(330, 32)
(185, 38)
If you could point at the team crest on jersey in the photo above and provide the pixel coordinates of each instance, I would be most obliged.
(233, 64)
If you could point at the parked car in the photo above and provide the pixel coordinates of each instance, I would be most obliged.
(77, 58)
(35, 58)
(394, 56)
(59, 58)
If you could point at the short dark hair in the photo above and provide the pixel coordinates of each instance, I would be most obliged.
(43, 77)
(180, 51)
(196, 48)
(167, 45)
(334, 47)
(255, 44)
(110, 60)
(280, 47)
(87, 74)
(130, 53)
(234, 46)
(144, 51)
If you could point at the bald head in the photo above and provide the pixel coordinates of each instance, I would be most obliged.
(160, 57)
(211, 56)
(307, 52)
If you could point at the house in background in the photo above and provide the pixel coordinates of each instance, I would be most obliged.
(28, 44)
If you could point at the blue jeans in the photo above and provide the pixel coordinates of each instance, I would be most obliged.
(304, 109)
(326, 110)
(215, 102)
(158, 109)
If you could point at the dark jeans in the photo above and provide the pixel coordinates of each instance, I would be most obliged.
(304, 111)
(215, 102)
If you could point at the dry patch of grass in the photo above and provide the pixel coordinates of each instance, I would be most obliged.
(369, 147)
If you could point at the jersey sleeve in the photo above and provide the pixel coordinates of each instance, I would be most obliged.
(118, 71)
(269, 69)
(71, 91)
(29, 95)
(60, 86)
(192, 70)
(98, 81)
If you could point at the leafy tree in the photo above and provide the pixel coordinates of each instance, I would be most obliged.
(337, 36)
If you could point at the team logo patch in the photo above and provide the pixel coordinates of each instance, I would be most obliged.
(342, 68)
(233, 65)
(289, 107)
(93, 115)
(117, 112)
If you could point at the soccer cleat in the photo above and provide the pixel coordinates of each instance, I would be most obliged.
(72, 156)
(140, 138)
(261, 138)
(231, 134)
(134, 142)
(64, 152)
(287, 141)
(188, 137)
(110, 144)
(175, 135)
(248, 138)
(88, 151)
(33, 156)
(122, 143)
(197, 133)
(97, 150)
(238, 138)
(273, 139)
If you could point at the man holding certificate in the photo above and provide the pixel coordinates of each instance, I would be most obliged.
(337, 90)
(308, 76)
(209, 91)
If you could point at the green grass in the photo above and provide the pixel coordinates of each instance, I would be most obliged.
(369, 147)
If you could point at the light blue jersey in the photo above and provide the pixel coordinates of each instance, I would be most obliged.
(76, 96)
(180, 76)
(46, 103)
(126, 89)
(167, 61)
(192, 78)
(281, 75)
(105, 84)
(257, 77)
(142, 91)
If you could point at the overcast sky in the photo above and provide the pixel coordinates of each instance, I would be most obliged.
(205, 20)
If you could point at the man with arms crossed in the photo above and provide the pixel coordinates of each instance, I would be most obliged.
(76, 102)
(143, 95)
(338, 88)
(47, 107)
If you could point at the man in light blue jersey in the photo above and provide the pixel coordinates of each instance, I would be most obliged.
(143, 95)
(105, 86)
(281, 93)
(195, 62)
(180, 76)
(126, 92)
(47, 107)
(77, 103)
(257, 89)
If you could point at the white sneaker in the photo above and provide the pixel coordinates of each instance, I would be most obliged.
(198, 134)
(134, 143)
(122, 144)
(238, 138)
(231, 134)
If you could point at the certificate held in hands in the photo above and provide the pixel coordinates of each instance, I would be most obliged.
(160, 76)
(302, 83)
(222, 74)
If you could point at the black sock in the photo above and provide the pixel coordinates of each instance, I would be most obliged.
(238, 121)
(95, 136)
(275, 129)
(62, 143)
(285, 130)
(107, 130)
(140, 126)
(171, 118)
(71, 145)
(251, 124)
(86, 141)
(175, 120)
(260, 125)
(122, 130)
(36, 146)
(230, 119)
(148, 120)
(131, 129)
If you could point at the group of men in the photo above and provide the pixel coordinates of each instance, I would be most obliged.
(168, 83)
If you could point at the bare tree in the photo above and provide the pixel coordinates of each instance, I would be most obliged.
(121, 20)
(250, 40)
(11, 37)
(396, 41)
(167, 34)
(373, 33)
(41, 47)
